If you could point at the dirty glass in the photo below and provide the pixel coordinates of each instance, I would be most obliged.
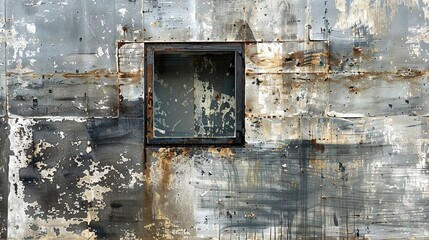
(194, 94)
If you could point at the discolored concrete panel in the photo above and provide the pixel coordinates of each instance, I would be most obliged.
(74, 36)
(186, 20)
(381, 36)
(336, 132)
(375, 95)
(129, 20)
(92, 94)
(286, 57)
(72, 178)
(276, 20)
(286, 95)
(297, 190)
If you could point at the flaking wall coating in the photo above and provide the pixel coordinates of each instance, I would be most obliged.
(336, 126)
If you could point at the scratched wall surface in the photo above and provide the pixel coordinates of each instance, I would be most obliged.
(336, 127)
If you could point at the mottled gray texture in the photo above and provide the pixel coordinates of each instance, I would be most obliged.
(336, 126)
(4, 185)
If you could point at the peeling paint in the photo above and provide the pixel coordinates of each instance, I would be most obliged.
(335, 121)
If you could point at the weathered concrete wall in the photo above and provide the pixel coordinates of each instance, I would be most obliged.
(336, 128)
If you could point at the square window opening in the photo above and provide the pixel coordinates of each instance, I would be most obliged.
(194, 93)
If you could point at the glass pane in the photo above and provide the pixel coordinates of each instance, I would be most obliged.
(194, 94)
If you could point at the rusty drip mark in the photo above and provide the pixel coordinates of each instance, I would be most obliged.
(166, 160)
(125, 30)
(147, 175)
(95, 73)
(149, 102)
(133, 75)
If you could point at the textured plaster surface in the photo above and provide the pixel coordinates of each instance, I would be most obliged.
(336, 127)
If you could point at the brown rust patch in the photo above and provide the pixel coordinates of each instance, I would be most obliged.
(303, 58)
(131, 75)
(99, 73)
(410, 73)
(165, 157)
(353, 89)
(299, 55)
(318, 164)
(264, 56)
(147, 176)
(317, 146)
(166, 172)
(405, 74)
(184, 151)
(357, 51)
(226, 153)
(146, 172)
(222, 152)
(149, 102)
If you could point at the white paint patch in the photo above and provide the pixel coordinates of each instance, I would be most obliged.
(21, 138)
(62, 135)
(132, 92)
(48, 174)
(123, 11)
(31, 28)
(92, 182)
(62, 119)
(88, 147)
(136, 178)
(124, 159)
(76, 143)
(99, 52)
(38, 148)
(418, 34)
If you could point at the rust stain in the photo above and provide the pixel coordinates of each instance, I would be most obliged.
(264, 57)
(302, 58)
(95, 73)
(149, 102)
(404, 74)
(222, 152)
(184, 152)
(410, 73)
(353, 89)
(318, 164)
(147, 175)
(165, 157)
(317, 146)
(133, 76)
(165, 168)
(357, 51)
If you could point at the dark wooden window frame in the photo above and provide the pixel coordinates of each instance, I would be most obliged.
(151, 48)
